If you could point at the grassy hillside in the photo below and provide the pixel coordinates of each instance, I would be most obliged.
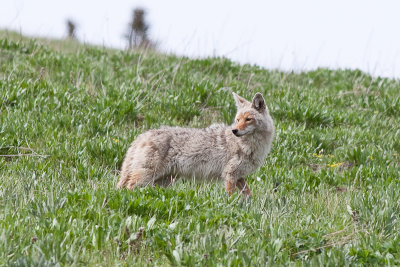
(328, 194)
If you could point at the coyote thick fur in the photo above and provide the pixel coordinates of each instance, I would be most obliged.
(216, 152)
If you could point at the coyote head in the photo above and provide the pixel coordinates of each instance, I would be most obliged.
(251, 116)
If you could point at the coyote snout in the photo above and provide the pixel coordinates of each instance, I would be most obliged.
(244, 124)
(216, 152)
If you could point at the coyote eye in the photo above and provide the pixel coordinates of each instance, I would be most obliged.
(248, 119)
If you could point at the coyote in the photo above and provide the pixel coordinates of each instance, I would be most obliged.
(216, 152)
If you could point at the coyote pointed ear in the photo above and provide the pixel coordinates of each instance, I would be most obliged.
(240, 101)
(258, 103)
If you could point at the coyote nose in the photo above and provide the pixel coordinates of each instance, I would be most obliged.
(235, 131)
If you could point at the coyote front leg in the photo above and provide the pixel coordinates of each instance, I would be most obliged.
(240, 184)
(229, 187)
(243, 187)
(232, 176)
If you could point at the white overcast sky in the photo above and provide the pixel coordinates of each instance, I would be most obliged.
(286, 34)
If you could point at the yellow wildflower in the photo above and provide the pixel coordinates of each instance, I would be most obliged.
(335, 164)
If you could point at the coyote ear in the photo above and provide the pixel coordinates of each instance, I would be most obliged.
(240, 101)
(258, 103)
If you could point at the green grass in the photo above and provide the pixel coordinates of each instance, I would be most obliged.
(328, 194)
